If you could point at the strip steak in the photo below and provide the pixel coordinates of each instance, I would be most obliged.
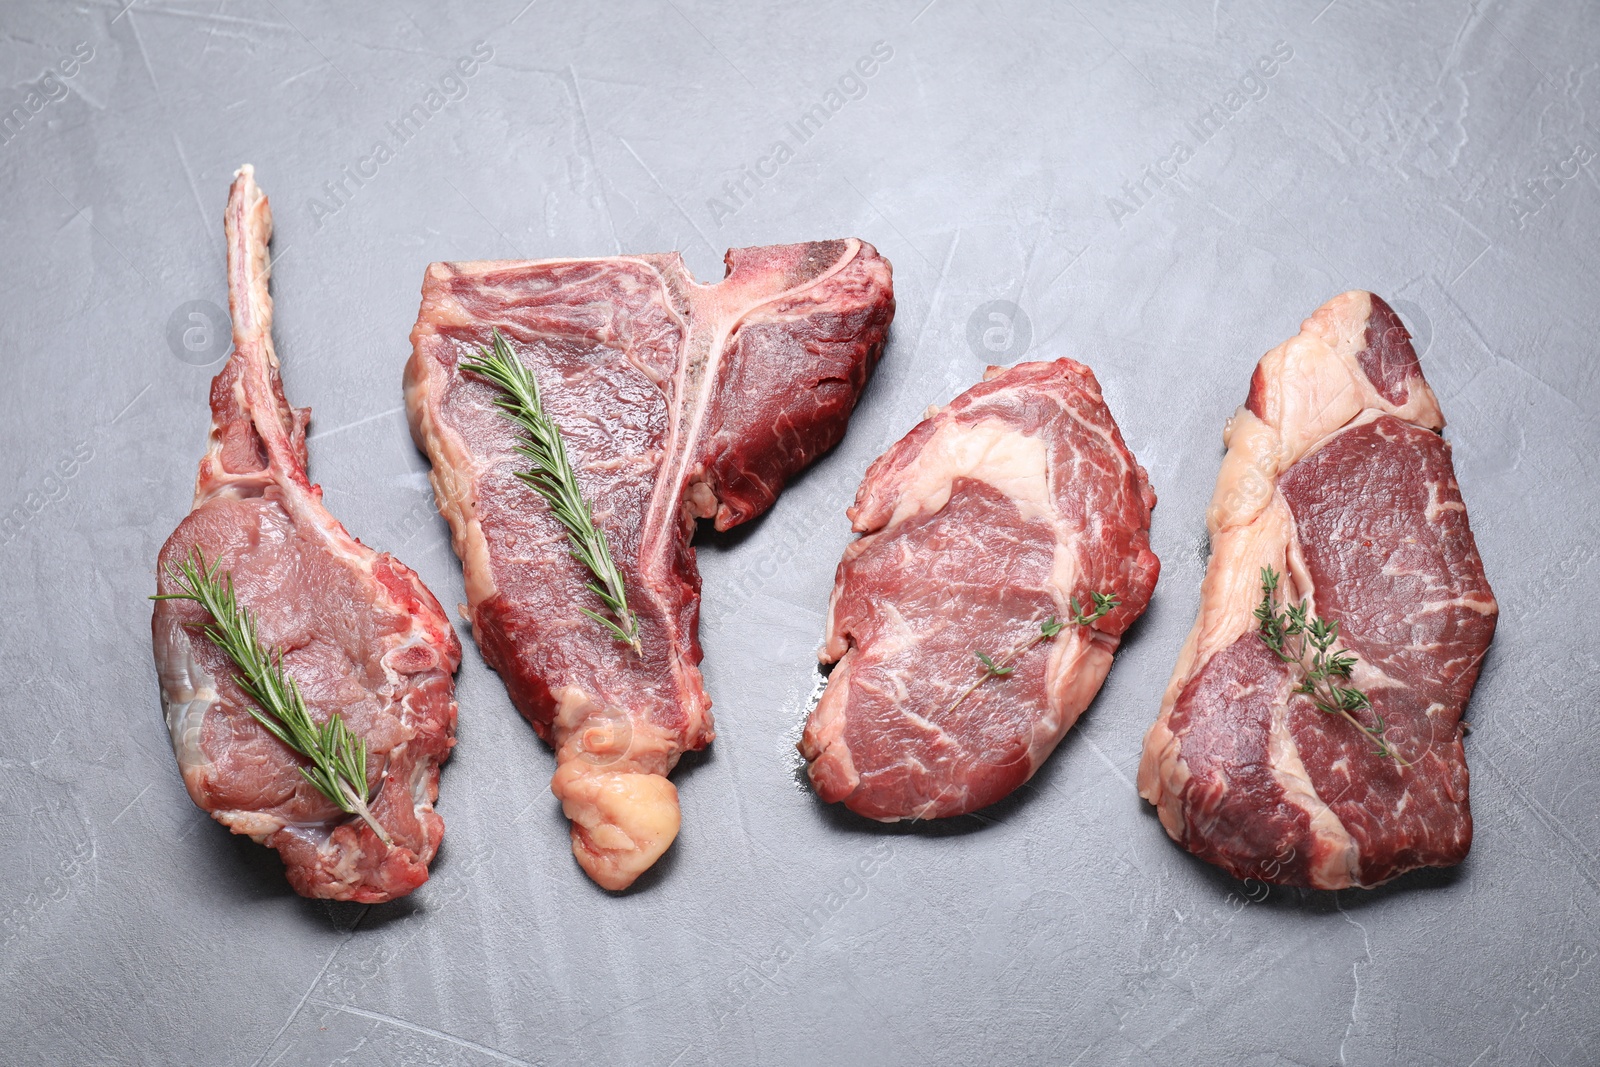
(1336, 476)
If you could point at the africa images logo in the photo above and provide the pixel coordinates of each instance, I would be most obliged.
(451, 87)
(1249, 87)
(47, 90)
(851, 85)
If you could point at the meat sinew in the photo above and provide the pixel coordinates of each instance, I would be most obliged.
(676, 401)
(980, 526)
(1336, 478)
(358, 631)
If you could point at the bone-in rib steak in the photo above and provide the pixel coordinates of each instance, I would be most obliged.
(676, 400)
(1337, 478)
(359, 633)
(979, 526)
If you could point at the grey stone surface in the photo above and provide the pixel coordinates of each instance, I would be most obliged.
(1441, 154)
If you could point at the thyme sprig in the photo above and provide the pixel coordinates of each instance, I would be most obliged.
(551, 475)
(1296, 636)
(338, 757)
(1102, 604)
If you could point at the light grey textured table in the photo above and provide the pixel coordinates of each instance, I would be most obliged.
(1054, 158)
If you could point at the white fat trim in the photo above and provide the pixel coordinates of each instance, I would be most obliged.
(342, 864)
(256, 825)
(1471, 603)
(188, 692)
(474, 268)
(651, 749)
(574, 705)
(454, 474)
(1163, 775)
(1248, 474)
(1335, 861)
(1076, 670)
(1296, 584)
(418, 786)
(1231, 589)
(989, 451)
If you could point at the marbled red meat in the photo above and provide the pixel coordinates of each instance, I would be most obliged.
(677, 401)
(359, 633)
(982, 523)
(1337, 477)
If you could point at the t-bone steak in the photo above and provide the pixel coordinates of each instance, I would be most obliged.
(978, 527)
(358, 631)
(677, 401)
(1337, 478)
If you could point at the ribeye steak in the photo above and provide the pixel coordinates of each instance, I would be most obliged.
(359, 633)
(1336, 477)
(677, 401)
(981, 524)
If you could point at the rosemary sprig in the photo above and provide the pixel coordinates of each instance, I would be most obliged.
(338, 757)
(552, 476)
(1298, 637)
(999, 667)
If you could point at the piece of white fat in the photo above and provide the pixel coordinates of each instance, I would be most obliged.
(989, 451)
(187, 693)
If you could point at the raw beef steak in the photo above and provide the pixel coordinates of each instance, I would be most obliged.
(980, 525)
(677, 401)
(359, 633)
(1336, 478)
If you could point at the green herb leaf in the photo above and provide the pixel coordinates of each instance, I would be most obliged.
(999, 667)
(1104, 604)
(990, 666)
(1295, 636)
